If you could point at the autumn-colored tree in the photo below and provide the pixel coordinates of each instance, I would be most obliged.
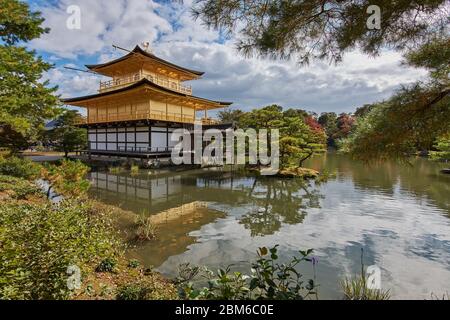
(328, 121)
(345, 123)
(317, 131)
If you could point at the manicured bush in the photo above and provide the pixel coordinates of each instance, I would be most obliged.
(39, 241)
(68, 178)
(20, 168)
(17, 188)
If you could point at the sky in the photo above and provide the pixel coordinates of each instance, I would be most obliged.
(175, 36)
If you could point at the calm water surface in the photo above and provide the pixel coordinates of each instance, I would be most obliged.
(398, 214)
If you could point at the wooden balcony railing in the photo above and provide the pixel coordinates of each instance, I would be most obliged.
(161, 81)
(209, 121)
(151, 115)
(139, 115)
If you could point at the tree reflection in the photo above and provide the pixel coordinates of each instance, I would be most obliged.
(279, 201)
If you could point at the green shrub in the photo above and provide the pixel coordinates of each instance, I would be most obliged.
(115, 170)
(134, 169)
(442, 147)
(132, 292)
(106, 265)
(150, 287)
(68, 178)
(20, 168)
(145, 228)
(356, 289)
(18, 188)
(133, 264)
(268, 280)
(40, 241)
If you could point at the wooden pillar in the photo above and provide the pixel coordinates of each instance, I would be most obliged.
(126, 136)
(135, 140)
(167, 110)
(167, 136)
(149, 107)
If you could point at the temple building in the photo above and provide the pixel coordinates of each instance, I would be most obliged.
(134, 113)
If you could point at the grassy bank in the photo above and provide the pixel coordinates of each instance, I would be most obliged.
(65, 250)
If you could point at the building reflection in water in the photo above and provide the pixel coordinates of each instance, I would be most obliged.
(180, 203)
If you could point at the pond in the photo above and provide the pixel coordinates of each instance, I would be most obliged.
(398, 214)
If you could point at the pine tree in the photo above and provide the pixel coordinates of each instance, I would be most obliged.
(66, 136)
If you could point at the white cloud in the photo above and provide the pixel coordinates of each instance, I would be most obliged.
(103, 23)
(72, 84)
(319, 87)
(229, 76)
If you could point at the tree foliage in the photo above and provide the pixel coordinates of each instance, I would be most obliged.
(18, 23)
(433, 56)
(301, 136)
(19, 168)
(442, 147)
(230, 116)
(319, 29)
(25, 100)
(68, 178)
(323, 29)
(66, 136)
(413, 117)
(407, 122)
(337, 127)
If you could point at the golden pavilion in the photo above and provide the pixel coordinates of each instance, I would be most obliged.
(145, 99)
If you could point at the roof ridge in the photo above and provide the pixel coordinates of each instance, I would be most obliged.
(137, 84)
(138, 49)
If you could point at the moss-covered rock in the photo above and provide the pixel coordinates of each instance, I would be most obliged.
(298, 172)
